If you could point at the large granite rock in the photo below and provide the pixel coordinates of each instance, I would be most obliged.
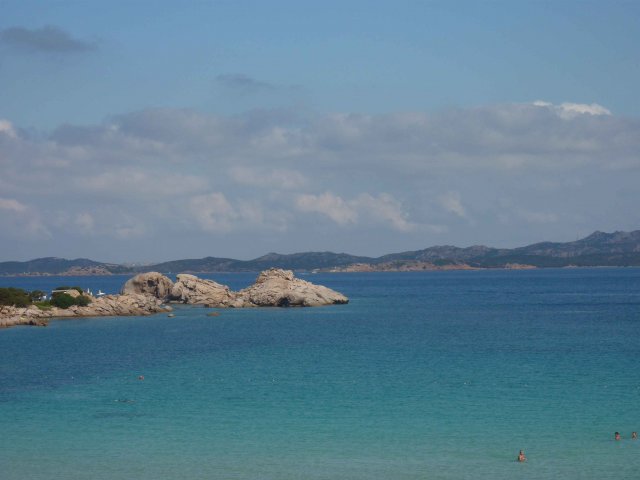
(197, 291)
(151, 283)
(11, 316)
(279, 288)
(120, 305)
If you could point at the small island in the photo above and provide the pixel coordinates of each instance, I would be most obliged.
(149, 293)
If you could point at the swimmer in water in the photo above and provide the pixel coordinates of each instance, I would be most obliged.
(617, 436)
(141, 377)
(634, 435)
(521, 457)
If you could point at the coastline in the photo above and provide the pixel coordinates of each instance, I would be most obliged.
(150, 292)
(107, 306)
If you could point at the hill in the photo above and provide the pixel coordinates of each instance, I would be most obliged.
(620, 249)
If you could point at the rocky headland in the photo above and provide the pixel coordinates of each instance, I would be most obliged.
(148, 293)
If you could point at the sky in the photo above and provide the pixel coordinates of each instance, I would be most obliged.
(139, 131)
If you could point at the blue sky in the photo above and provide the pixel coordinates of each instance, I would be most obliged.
(239, 128)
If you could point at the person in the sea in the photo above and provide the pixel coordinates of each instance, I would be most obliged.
(521, 457)
(617, 436)
(634, 435)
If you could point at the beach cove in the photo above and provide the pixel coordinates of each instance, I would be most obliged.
(439, 375)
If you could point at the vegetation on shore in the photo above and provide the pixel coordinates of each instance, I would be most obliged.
(17, 297)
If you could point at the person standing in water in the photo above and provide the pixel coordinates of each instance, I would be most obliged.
(521, 457)
(634, 435)
(617, 436)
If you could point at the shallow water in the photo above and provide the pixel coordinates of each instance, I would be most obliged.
(437, 375)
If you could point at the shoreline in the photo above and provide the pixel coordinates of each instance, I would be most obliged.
(107, 306)
(444, 268)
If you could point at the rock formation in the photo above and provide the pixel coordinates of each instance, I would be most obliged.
(273, 288)
(107, 306)
(145, 293)
(150, 283)
(197, 291)
(279, 288)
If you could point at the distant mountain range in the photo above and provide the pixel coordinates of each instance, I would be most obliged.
(620, 249)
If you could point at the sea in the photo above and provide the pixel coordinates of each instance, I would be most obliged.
(423, 375)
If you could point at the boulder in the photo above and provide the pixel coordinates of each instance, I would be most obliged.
(116, 305)
(197, 291)
(151, 283)
(279, 288)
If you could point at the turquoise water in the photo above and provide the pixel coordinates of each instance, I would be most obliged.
(437, 375)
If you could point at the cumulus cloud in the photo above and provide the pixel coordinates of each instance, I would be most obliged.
(47, 39)
(6, 128)
(384, 209)
(278, 174)
(330, 205)
(381, 209)
(213, 212)
(12, 205)
(19, 220)
(570, 110)
(452, 203)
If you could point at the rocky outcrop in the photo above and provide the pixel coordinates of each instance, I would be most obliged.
(144, 294)
(151, 283)
(279, 288)
(197, 291)
(11, 316)
(119, 305)
(273, 288)
(107, 306)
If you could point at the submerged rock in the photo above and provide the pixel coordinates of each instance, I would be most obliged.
(151, 283)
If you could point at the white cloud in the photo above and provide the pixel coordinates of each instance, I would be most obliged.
(330, 205)
(452, 203)
(262, 174)
(6, 128)
(381, 209)
(569, 110)
(213, 212)
(384, 209)
(20, 220)
(12, 205)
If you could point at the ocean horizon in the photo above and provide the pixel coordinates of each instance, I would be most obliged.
(423, 375)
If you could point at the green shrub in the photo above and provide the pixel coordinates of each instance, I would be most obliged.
(62, 300)
(82, 301)
(36, 295)
(14, 296)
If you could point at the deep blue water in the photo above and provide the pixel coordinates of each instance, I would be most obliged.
(436, 375)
